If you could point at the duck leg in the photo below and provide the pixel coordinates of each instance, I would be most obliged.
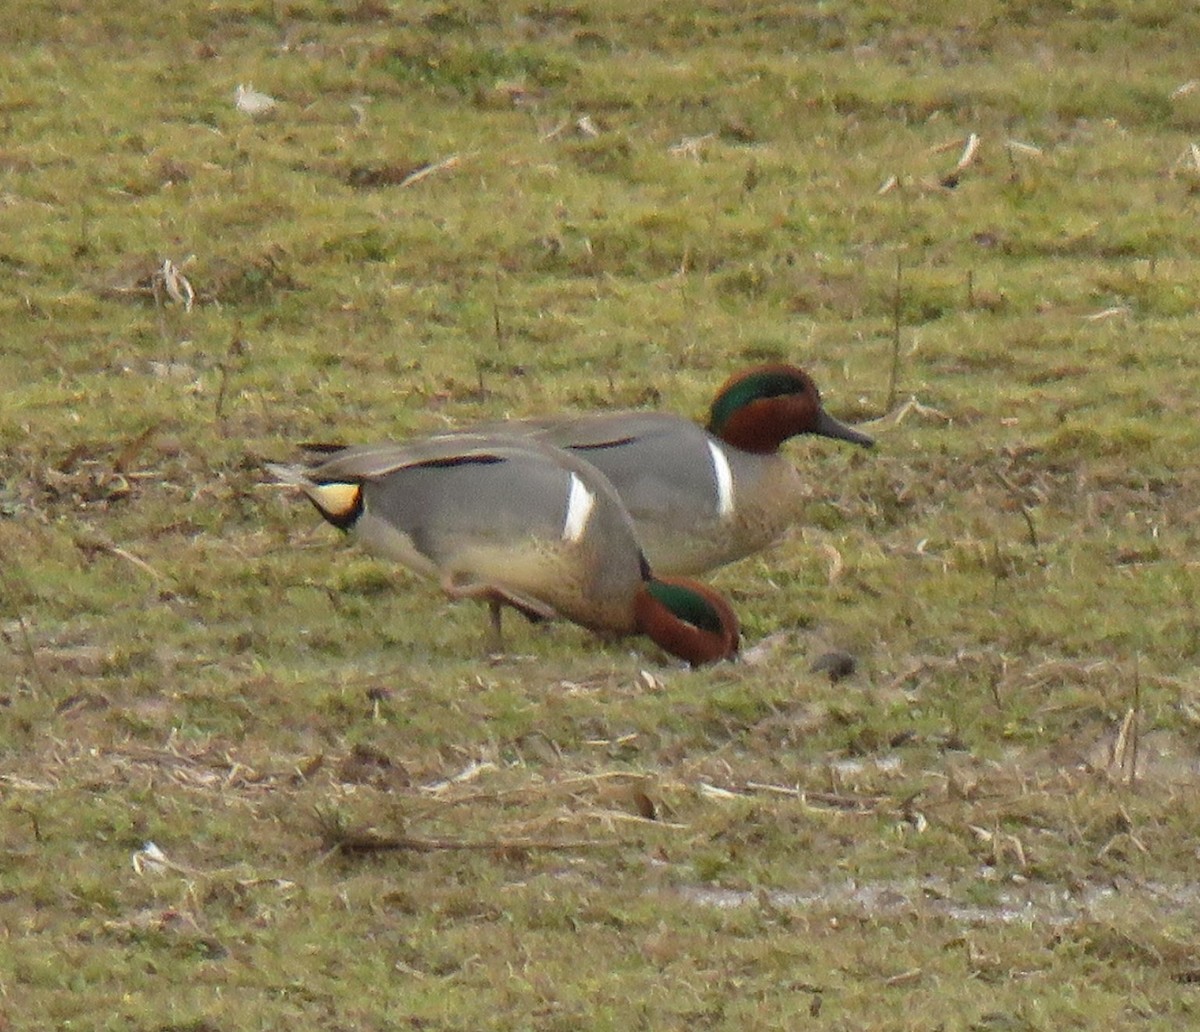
(495, 637)
(496, 597)
(496, 603)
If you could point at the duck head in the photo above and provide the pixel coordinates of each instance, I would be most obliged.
(687, 619)
(758, 409)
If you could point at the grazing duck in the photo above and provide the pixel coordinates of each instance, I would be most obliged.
(701, 497)
(514, 522)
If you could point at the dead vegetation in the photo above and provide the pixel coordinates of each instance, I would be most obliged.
(250, 778)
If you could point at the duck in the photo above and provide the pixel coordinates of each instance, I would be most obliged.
(703, 496)
(514, 523)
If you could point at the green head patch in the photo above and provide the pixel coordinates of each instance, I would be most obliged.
(688, 605)
(755, 387)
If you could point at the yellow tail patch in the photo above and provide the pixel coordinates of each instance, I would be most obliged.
(338, 501)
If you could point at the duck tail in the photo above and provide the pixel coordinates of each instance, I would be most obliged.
(288, 473)
(338, 502)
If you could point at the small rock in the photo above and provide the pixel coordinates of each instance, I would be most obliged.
(836, 663)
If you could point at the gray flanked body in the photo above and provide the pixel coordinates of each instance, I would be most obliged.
(696, 502)
(490, 517)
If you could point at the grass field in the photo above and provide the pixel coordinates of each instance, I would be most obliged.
(976, 225)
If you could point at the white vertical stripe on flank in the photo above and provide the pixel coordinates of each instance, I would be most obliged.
(580, 504)
(724, 478)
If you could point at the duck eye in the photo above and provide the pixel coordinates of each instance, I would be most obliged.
(778, 387)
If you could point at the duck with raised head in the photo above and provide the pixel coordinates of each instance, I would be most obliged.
(704, 496)
(514, 522)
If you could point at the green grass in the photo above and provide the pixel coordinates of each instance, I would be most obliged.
(580, 836)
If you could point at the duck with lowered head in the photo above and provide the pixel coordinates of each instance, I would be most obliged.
(514, 522)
